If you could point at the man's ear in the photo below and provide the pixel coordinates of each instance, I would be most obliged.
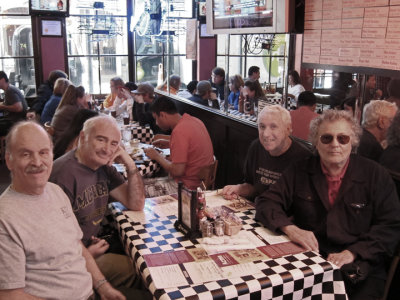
(380, 123)
(81, 137)
(8, 159)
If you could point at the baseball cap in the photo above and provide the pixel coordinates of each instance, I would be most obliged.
(144, 88)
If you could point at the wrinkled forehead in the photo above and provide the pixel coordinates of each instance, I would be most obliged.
(29, 138)
(105, 128)
(335, 127)
(270, 116)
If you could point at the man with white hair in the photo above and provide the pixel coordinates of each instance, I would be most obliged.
(89, 180)
(269, 155)
(41, 253)
(377, 117)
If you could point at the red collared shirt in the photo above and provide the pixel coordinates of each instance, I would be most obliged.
(334, 182)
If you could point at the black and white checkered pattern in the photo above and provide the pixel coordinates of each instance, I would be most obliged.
(301, 276)
(143, 134)
(148, 167)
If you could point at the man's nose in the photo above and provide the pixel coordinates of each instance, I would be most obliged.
(36, 159)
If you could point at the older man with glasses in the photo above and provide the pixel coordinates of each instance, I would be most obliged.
(338, 203)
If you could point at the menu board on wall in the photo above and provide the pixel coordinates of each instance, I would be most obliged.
(354, 33)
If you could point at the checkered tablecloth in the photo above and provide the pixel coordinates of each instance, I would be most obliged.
(143, 133)
(301, 276)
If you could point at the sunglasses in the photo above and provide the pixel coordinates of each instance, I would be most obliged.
(328, 138)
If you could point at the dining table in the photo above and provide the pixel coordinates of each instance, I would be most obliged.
(173, 266)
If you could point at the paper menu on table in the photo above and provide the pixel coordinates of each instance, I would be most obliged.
(215, 199)
(271, 237)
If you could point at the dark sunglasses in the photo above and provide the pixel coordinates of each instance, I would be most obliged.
(328, 138)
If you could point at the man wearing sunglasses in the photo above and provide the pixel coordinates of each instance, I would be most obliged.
(338, 203)
(377, 117)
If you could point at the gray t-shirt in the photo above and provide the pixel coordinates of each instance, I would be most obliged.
(12, 96)
(40, 248)
(87, 189)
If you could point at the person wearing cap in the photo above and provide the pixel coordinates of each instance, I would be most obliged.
(204, 94)
(144, 96)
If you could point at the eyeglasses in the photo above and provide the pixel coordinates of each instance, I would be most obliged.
(328, 138)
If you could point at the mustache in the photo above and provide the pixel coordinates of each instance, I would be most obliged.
(33, 169)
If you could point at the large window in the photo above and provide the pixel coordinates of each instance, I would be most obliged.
(236, 53)
(160, 40)
(16, 50)
(97, 38)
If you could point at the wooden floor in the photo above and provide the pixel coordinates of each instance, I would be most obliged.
(5, 178)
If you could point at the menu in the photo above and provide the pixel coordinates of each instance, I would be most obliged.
(358, 33)
(196, 265)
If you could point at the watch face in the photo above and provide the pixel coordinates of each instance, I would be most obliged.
(186, 205)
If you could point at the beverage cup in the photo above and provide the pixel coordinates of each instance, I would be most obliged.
(113, 113)
(126, 120)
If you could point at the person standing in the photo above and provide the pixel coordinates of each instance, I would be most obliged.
(302, 116)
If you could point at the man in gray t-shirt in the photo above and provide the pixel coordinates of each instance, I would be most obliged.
(41, 253)
(14, 107)
(90, 182)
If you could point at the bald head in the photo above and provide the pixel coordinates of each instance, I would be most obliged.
(29, 157)
(26, 126)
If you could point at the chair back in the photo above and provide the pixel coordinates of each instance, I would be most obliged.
(49, 128)
(207, 174)
(394, 265)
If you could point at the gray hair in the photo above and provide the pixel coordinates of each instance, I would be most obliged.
(334, 116)
(203, 87)
(277, 109)
(374, 110)
(91, 123)
(10, 136)
(393, 134)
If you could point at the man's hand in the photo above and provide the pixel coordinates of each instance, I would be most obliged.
(98, 247)
(121, 156)
(107, 292)
(302, 237)
(151, 153)
(341, 258)
(230, 192)
(139, 98)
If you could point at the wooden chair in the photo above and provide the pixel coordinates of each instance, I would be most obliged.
(207, 175)
(391, 273)
(49, 128)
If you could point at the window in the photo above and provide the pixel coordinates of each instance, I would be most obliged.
(244, 51)
(16, 50)
(160, 40)
(97, 42)
(322, 79)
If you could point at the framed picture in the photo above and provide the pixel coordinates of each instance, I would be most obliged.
(51, 27)
(202, 9)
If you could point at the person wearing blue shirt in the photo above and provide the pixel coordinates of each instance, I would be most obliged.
(50, 107)
(235, 84)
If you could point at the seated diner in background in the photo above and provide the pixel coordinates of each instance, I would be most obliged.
(236, 84)
(60, 86)
(302, 116)
(377, 117)
(190, 90)
(190, 143)
(14, 107)
(218, 82)
(338, 204)
(90, 182)
(115, 84)
(269, 155)
(41, 253)
(174, 85)
(73, 99)
(204, 94)
(250, 94)
(294, 85)
(44, 93)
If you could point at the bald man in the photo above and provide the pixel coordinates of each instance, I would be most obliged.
(89, 180)
(41, 253)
